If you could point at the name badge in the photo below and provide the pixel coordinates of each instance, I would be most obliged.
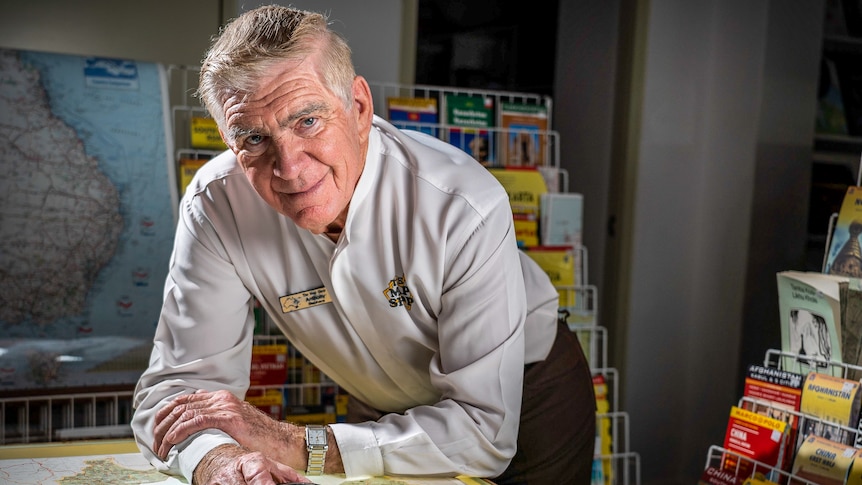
(304, 299)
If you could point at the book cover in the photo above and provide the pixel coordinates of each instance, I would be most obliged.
(714, 476)
(559, 264)
(823, 461)
(561, 223)
(604, 441)
(844, 255)
(754, 437)
(778, 394)
(525, 188)
(268, 364)
(854, 477)
(810, 312)
(188, 167)
(851, 329)
(526, 230)
(562, 218)
(469, 120)
(523, 134)
(205, 135)
(832, 400)
(758, 479)
(418, 114)
(270, 401)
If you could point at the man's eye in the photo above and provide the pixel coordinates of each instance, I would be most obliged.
(254, 139)
(307, 122)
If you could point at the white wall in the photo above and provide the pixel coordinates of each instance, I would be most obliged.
(166, 31)
(718, 93)
(377, 32)
(584, 81)
(380, 32)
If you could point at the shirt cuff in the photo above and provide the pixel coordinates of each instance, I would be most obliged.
(360, 453)
(196, 446)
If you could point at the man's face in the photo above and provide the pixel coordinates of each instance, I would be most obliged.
(299, 147)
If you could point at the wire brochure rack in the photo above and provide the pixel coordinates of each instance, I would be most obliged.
(741, 466)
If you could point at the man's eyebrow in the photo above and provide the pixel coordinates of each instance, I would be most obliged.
(235, 132)
(304, 112)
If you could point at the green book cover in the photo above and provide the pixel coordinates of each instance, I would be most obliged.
(810, 310)
(469, 121)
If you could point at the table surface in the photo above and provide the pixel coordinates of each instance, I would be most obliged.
(110, 462)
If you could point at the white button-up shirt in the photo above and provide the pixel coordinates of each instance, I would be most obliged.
(420, 309)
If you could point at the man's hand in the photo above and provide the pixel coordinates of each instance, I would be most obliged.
(250, 427)
(230, 465)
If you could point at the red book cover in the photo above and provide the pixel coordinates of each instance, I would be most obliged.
(714, 476)
(268, 365)
(753, 436)
(779, 392)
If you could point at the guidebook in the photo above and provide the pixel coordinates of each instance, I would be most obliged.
(469, 121)
(523, 135)
(754, 437)
(823, 461)
(810, 315)
(845, 255)
(778, 394)
(418, 114)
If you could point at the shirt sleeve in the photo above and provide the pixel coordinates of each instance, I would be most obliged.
(201, 287)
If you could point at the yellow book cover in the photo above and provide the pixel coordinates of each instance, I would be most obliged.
(205, 134)
(559, 264)
(822, 461)
(831, 398)
(604, 441)
(845, 256)
(758, 479)
(270, 401)
(188, 167)
(855, 475)
(525, 187)
(526, 230)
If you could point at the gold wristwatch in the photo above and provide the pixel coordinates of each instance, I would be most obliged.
(317, 444)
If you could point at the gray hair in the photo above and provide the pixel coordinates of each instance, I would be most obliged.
(249, 44)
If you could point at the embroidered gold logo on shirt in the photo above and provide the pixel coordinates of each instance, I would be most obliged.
(398, 294)
(304, 299)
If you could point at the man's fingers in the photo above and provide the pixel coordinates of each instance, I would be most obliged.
(178, 411)
(286, 474)
(257, 469)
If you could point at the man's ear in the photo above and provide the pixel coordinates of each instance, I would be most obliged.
(363, 104)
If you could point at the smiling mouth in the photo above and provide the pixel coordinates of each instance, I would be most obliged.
(305, 190)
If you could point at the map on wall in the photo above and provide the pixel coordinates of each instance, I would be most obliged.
(87, 217)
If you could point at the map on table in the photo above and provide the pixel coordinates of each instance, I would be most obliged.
(87, 217)
(129, 468)
(133, 469)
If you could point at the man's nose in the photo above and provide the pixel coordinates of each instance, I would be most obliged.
(288, 157)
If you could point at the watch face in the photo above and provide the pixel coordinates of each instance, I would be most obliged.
(316, 436)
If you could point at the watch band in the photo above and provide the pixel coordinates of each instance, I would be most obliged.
(317, 444)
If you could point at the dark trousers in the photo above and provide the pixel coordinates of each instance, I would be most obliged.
(558, 419)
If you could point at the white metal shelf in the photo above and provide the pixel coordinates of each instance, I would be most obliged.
(717, 456)
(777, 359)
